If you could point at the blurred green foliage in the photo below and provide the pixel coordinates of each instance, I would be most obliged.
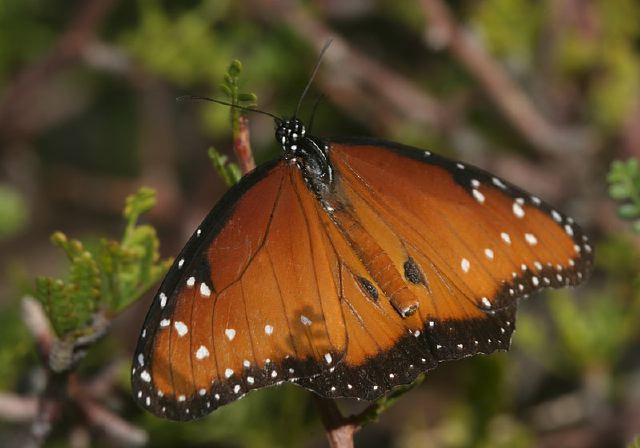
(624, 186)
(593, 60)
(108, 279)
(510, 27)
(13, 212)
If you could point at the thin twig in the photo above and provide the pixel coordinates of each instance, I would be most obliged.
(112, 425)
(444, 32)
(17, 409)
(340, 430)
(79, 33)
(242, 145)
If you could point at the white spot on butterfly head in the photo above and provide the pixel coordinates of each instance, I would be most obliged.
(230, 333)
(181, 328)
(202, 352)
(268, 330)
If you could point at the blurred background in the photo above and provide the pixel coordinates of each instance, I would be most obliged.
(543, 93)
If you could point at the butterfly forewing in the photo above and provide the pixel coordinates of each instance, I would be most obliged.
(250, 302)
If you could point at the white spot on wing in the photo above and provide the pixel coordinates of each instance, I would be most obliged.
(230, 333)
(205, 291)
(191, 281)
(181, 328)
(163, 299)
(305, 320)
(202, 352)
(531, 239)
(479, 196)
(268, 330)
(505, 237)
(228, 373)
(488, 253)
(465, 265)
(144, 376)
(498, 183)
(518, 210)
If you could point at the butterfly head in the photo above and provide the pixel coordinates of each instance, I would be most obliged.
(289, 133)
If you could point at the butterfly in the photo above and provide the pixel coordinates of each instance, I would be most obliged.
(348, 267)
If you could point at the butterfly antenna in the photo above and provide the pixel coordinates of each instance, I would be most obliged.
(313, 75)
(226, 103)
(313, 111)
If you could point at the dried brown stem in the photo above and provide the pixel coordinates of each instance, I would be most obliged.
(79, 33)
(340, 430)
(14, 408)
(116, 428)
(444, 32)
(242, 145)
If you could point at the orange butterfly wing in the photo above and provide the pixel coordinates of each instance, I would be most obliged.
(411, 260)
(459, 247)
(250, 302)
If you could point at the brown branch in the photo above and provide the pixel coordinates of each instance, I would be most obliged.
(242, 145)
(17, 409)
(340, 430)
(444, 32)
(348, 76)
(112, 425)
(79, 33)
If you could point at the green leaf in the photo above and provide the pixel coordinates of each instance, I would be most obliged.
(247, 97)
(230, 172)
(619, 192)
(235, 68)
(138, 203)
(629, 211)
(226, 90)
